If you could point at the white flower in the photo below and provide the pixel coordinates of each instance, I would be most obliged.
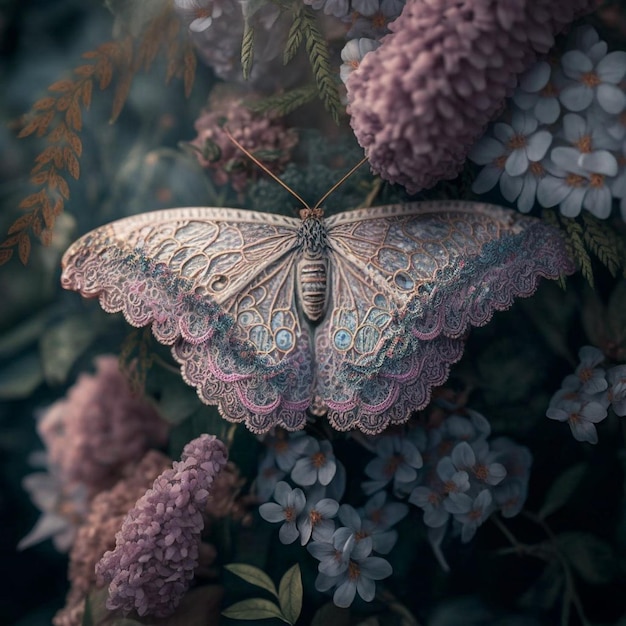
(573, 186)
(353, 53)
(581, 415)
(587, 378)
(537, 92)
(201, 13)
(596, 78)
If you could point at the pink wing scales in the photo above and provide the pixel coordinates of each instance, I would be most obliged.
(218, 286)
(408, 281)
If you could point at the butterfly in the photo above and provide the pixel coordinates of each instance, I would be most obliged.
(358, 315)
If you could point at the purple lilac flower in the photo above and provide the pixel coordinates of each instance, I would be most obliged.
(157, 547)
(420, 101)
(291, 503)
(316, 465)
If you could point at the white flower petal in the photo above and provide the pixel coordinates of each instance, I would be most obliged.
(574, 127)
(612, 68)
(511, 186)
(547, 110)
(576, 97)
(571, 206)
(600, 162)
(598, 201)
(516, 163)
(487, 179)
(536, 78)
(503, 132)
(583, 431)
(526, 199)
(567, 159)
(575, 63)
(611, 98)
(551, 191)
(538, 145)
(486, 150)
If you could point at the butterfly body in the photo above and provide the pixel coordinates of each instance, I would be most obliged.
(359, 314)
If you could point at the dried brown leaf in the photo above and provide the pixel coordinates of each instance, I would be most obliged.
(57, 209)
(63, 102)
(71, 163)
(85, 93)
(46, 237)
(63, 187)
(23, 248)
(5, 255)
(104, 73)
(31, 201)
(40, 178)
(44, 122)
(11, 241)
(48, 213)
(21, 223)
(59, 133)
(47, 155)
(75, 143)
(44, 104)
(62, 86)
(121, 94)
(36, 226)
(73, 116)
(30, 128)
(84, 71)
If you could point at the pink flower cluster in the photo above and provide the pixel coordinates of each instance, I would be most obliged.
(157, 548)
(98, 428)
(420, 101)
(267, 138)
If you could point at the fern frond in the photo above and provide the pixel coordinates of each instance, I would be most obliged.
(247, 48)
(602, 240)
(284, 103)
(294, 38)
(576, 247)
(57, 118)
(317, 50)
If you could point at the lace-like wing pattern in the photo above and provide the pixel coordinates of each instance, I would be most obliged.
(218, 285)
(407, 283)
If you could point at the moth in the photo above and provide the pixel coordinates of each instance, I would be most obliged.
(356, 316)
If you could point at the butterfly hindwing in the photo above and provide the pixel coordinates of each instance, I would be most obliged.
(219, 286)
(407, 282)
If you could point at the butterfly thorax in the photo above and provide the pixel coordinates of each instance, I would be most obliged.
(313, 265)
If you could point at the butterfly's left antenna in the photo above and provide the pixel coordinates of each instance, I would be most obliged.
(264, 168)
(339, 183)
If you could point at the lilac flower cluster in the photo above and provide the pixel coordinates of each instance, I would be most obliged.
(263, 136)
(564, 142)
(421, 100)
(91, 435)
(308, 512)
(586, 395)
(157, 547)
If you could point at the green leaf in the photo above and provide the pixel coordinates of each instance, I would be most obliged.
(20, 337)
(603, 241)
(577, 248)
(247, 48)
(290, 594)
(591, 557)
(21, 377)
(562, 489)
(294, 38)
(62, 344)
(254, 608)
(284, 103)
(254, 575)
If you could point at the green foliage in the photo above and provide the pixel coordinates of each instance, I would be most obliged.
(289, 595)
(562, 489)
(604, 242)
(247, 48)
(282, 104)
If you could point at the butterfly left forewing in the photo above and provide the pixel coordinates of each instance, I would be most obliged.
(407, 283)
(217, 285)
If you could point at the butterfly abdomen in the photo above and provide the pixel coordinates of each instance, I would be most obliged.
(313, 267)
(312, 287)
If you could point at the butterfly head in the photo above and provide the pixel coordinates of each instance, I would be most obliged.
(315, 213)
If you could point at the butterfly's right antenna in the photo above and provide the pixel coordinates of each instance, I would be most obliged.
(264, 168)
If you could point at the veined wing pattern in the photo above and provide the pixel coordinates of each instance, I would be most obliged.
(219, 286)
(405, 284)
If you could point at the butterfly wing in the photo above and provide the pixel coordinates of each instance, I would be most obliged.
(407, 282)
(218, 285)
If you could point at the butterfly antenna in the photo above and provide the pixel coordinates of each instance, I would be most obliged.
(264, 168)
(340, 182)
